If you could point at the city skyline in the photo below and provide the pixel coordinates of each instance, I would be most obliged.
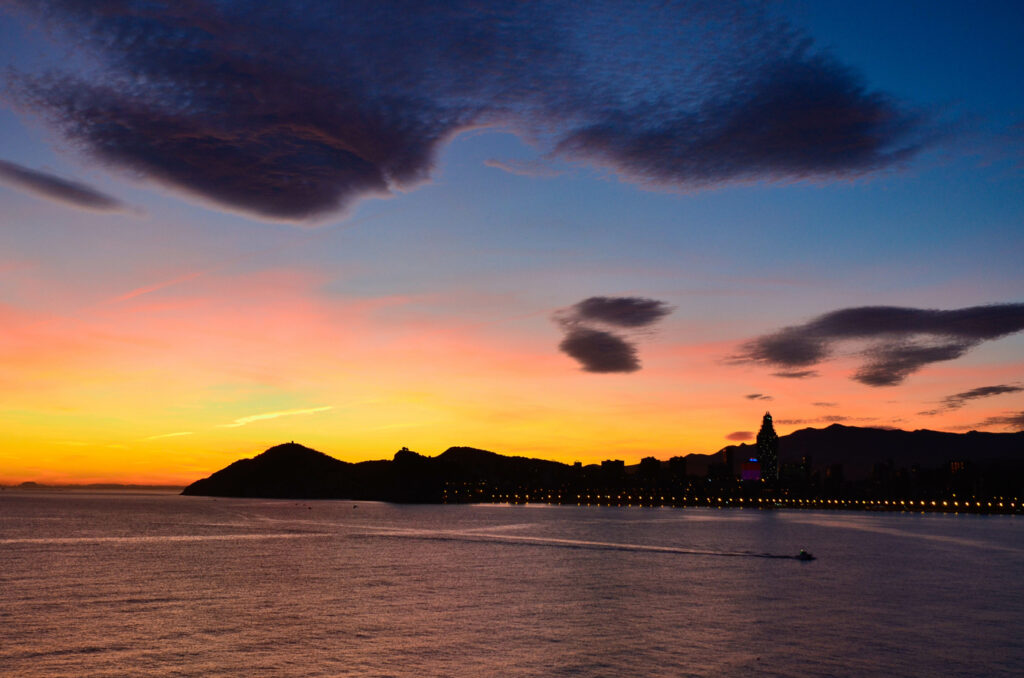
(565, 232)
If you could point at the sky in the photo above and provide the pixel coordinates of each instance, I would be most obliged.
(567, 230)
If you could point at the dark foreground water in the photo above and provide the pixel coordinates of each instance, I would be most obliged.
(161, 585)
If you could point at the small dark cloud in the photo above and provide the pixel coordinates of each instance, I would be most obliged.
(64, 191)
(825, 404)
(1013, 421)
(294, 110)
(626, 312)
(758, 396)
(600, 351)
(796, 374)
(901, 341)
(740, 435)
(958, 400)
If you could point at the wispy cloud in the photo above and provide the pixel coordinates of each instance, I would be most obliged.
(138, 292)
(829, 419)
(758, 396)
(242, 421)
(795, 374)
(958, 400)
(1013, 421)
(64, 191)
(524, 168)
(169, 435)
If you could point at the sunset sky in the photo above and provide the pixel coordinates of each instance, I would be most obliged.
(568, 230)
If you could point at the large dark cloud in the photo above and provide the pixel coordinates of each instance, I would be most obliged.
(900, 341)
(598, 349)
(72, 193)
(292, 110)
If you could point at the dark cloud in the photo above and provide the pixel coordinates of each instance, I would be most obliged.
(796, 119)
(71, 193)
(825, 404)
(740, 435)
(627, 312)
(829, 419)
(901, 340)
(889, 366)
(958, 400)
(758, 396)
(1012, 421)
(600, 351)
(796, 374)
(293, 110)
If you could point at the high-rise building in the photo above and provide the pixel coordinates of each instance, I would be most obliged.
(768, 450)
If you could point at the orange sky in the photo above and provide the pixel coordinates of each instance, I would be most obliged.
(169, 385)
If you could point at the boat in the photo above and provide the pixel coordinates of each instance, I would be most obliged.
(804, 555)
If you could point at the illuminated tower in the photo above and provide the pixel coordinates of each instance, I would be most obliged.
(768, 450)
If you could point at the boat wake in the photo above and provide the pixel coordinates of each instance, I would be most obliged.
(481, 536)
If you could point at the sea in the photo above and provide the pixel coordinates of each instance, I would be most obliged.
(156, 584)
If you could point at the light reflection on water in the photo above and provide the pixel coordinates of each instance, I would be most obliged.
(161, 585)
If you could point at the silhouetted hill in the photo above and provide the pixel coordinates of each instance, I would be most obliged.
(284, 471)
(467, 474)
(298, 472)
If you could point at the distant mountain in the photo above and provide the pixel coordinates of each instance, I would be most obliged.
(32, 485)
(297, 472)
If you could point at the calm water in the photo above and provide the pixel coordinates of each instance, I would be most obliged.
(161, 585)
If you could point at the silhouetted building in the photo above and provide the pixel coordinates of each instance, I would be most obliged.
(768, 450)
(729, 459)
(650, 467)
(750, 470)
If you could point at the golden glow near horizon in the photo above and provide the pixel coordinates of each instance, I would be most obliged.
(176, 387)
